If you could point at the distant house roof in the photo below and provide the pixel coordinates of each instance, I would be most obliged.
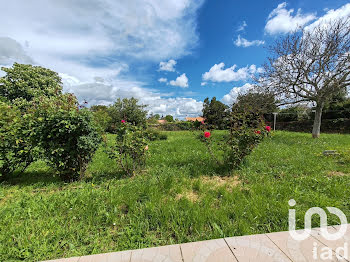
(194, 119)
(162, 121)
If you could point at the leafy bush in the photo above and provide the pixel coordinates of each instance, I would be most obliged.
(153, 135)
(130, 147)
(66, 134)
(177, 126)
(246, 131)
(16, 149)
(129, 110)
(27, 82)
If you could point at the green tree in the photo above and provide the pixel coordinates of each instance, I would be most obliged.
(128, 110)
(262, 103)
(169, 118)
(215, 113)
(101, 116)
(27, 81)
(310, 66)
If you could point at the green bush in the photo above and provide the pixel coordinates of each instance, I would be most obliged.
(16, 149)
(130, 148)
(153, 135)
(247, 130)
(66, 134)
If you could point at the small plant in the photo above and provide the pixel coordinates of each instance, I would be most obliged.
(130, 147)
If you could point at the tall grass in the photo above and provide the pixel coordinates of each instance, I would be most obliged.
(181, 196)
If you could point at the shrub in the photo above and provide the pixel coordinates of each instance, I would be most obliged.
(16, 149)
(66, 134)
(130, 147)
(153, 135)
(246, 131)
(128, 109)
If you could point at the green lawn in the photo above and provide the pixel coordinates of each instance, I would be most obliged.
(182, 196)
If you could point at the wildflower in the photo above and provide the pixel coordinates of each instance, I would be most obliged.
(207, 134)
(258, 132)
(123, 121)
(203, 122)
(146, 147)
(268, 128)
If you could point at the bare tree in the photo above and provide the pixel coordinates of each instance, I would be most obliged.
(310, 65)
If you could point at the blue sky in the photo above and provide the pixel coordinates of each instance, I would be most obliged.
(170, 54)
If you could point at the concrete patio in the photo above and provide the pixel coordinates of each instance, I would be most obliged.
(278, 246)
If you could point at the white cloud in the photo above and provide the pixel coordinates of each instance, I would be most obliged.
(331, 15)
(11, 51)
(203, 83)
(100, 92)
(240, 41)
(167, 66)
(92, 43)
(181, 81)
(242, 26)
(162, 80)
(231, 97)
(281, 20)
(218, 74)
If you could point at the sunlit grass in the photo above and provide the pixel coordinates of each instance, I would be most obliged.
(178, 198)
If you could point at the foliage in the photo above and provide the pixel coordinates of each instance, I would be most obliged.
(127, 109)
(247, 129)
(169, 118)
(262, 103)
(16, 149)
(177, 126)
(153, 135)
(66, 134)
(101, 117)
(340, 109)
(130, 148)
(215, 113)
(27, 82)
(293, 113)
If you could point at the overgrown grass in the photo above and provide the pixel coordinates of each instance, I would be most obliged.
(182, 196)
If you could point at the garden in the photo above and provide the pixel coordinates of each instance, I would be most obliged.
(77, 179)
(181, 195)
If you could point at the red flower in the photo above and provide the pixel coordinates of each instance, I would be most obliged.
(123, 121)
(258, 132)
(268, 128)
(202, 122)
(207, 134)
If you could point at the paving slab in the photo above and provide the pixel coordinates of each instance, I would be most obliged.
(207, 251)
(256, 248)
(299, 251)
(170, 253)
(123, 256)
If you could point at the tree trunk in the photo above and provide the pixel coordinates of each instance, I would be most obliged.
(316, 130)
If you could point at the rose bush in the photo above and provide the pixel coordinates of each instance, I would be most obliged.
(246, 131)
